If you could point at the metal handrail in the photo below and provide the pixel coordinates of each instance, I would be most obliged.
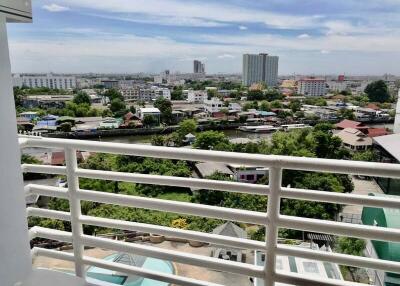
(273, 219)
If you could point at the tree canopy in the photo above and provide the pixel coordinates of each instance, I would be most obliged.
(378, 91)
(82, 97)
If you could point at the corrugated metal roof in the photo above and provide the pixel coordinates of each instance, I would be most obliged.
(208, 168)
(391, 143)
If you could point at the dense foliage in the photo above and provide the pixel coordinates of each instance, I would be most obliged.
(378, 91)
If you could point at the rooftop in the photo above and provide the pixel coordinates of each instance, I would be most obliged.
(390, 143)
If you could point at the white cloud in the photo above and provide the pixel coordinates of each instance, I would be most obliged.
(303, 36)
(178, 9)
(325, 52)
(226, 56)
(55, 8)
(243, 28)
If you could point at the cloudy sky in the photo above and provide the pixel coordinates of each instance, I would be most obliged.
(309, 36)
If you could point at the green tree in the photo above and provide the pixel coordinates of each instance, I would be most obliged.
(157, 140)
(276, 104)
(65, 127)
(18, 95)
(255, 95)
(210, 140)
(187, 126)
(177, 93)
(351, 246)
(367, 156)
(132, 109)
(377, 91)
(295, 105)
(113, 94)
(82, 97)
(165, 107)
(273, 94)
(117, 105)
(346, 114)
(265, 106)
(149, 120)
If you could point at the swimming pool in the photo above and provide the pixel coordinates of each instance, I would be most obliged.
(131, 280)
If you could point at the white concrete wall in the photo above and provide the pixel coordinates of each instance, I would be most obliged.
(397, 118)
(15, 262)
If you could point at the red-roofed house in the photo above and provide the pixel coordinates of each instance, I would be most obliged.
(350, 124)
(58, 158)
(375, 132)
(373, 106)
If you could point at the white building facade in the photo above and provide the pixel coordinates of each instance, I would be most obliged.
(213, 105)
(145, 94)
(261, 68)
(51, 81)
(311, 87)
(196, 96)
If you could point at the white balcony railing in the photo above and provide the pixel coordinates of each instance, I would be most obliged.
(273, 220)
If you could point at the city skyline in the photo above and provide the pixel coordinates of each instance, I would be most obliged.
(150, 36)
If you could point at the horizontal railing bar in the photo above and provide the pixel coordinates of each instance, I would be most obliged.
(52, 234)
(165, 254)
(286, 162)
(174, 232)
(45, 213)
(339, 228)
(342, 259)
(302, 280)
(340, 198)
(38, 251)
(48, 191)
(44, 169)
(175, 181)
(174, 207)
(169, 278)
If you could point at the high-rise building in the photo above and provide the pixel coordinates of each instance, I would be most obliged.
(261, 68)
(198, 67)
(311, 87)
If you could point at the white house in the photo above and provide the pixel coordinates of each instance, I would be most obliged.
(149, 111)
(196, 96)
(213, 105)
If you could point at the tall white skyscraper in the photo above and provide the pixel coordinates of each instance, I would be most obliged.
(396, 128)
(261, 68)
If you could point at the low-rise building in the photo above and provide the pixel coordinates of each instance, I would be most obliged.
(46, 101)
(110, 123)
(302, 266)
(149, 111)
(311, 87)
(387, 148)
(110, 84)
(145, 93)
(196, 96)
(248, 174)
(350, 124)
(213, 105)
(52, 81)
(354, 139)
(29, 115)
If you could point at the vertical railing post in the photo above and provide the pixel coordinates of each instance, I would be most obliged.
(75, 209)
(271, 233)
